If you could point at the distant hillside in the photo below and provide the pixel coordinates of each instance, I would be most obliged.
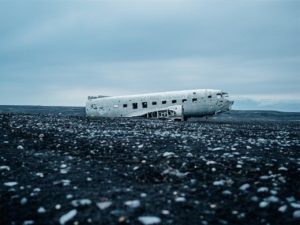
(62, 110)
(234, 115)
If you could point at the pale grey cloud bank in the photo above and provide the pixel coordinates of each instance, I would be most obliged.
(58, 52)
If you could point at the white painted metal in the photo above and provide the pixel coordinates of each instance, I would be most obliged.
(176, 104)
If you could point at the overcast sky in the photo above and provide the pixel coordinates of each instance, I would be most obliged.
(59, 52)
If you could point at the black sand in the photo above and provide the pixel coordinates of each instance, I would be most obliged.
(119, 170)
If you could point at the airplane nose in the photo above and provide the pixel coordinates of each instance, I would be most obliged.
(227, 105)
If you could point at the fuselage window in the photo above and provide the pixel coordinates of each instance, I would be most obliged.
(174, 101)
(184, 100)
(154, 103)
(194, 100)
(164, 102)
(134, 105)
(144, 104)
(209, 96)
(124, 105)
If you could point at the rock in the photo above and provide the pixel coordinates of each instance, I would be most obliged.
(41, 210)
(295, 205)
(272, 199)
(296, 214)
(227, 192)
(189, 155)
(180, 199)
(219, 183)
(20, 147)
(10, 184)
(148, 220)
(81, 202)
(67, 217)
(104, 205)
(168, 154)
(133, 203)
(263, 204)
(244, 187)
(28, 222)
(282, 209)
(5, 168)
(262, 189)
(23, 201)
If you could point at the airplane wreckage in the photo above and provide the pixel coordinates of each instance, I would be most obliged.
(176, 105)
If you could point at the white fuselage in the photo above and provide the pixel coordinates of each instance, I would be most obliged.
(191, 103)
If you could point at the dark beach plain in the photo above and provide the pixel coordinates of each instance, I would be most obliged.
(58, 167)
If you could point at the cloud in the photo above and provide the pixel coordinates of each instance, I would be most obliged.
(55, 52)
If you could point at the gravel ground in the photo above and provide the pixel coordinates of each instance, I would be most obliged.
(71, 170)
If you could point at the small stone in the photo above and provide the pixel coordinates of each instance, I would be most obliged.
(295, 205)
(165, 212)
(282, 209)
(168, 154)
(58, 207)
(189, 155)
(244, 187)
(41, 210)
(180, 199)
(5, 168)
(219, 183)
(10, 184)
(81, 202)
(104, 205)
(283, 168)
(122, 219)
(28, 222)
(69, 196)
(89, 179)
(23, 201)
(143, 195)
(20, 147)
(263, 204)
(210, 163)
(262, 189)
(296, 214)
(133, 203)
(226, 192)
(272, 199)
(67, 217)
(148, 220)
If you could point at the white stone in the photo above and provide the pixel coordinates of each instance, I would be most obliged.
(244, 187)
(180, 199)
(81, 202)
(282, 209)
(68, 216)
(20, 147)
(263, 204)
(23, 201)
(10, 184)
(5, 168)
(296, 214)
(28, 222)
(104, 205)
(226, 192)
(219, 183)
(262, 189)
(295, 205)
(41, 210)
(148, 220)
(168, 154)
(133, 203)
